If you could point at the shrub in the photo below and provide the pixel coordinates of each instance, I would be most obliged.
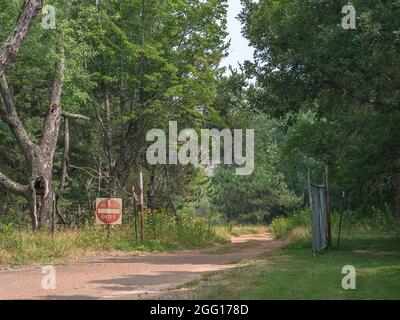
(182, 230)
(282, 226)
(298, 223)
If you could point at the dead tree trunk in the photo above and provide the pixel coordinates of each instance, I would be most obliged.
(39, 157)
(14, 41)
(39, 191)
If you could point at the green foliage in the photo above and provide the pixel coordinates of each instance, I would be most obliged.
(149, 61)
(282, 226)
(321, 95)
(6, 229)
(336, 87)
(162, 231)
(170, 230)
(257, 197)
(377, 222)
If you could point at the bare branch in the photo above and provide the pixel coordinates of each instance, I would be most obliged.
(74, 115)
(12, 186)
(85, 169)
(14, 42)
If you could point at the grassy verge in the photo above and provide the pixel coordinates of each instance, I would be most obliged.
(163, 233)
(371, 245)
(293, 273)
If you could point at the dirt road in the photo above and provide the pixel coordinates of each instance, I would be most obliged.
(131, 277)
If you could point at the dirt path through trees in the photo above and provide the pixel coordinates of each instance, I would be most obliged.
(131, 277)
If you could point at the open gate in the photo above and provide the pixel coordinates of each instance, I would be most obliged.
(319, 217)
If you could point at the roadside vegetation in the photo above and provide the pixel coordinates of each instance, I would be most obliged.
(298, 224)
(371, 245)
(163, 232)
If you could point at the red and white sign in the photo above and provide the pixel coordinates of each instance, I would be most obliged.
(108, 211)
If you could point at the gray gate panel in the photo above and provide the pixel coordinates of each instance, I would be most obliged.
(319, 217)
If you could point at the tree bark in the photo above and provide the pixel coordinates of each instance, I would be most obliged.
(65, 161)
(42, 162)
(39, 191)
(13, 43)
(12, 186)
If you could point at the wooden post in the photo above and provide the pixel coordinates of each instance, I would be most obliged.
(53, 216)
(309, 188)
(141, 208)
(108, 232)
(328, 204)
(134, 212)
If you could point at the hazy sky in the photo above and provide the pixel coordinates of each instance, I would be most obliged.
(239, 49)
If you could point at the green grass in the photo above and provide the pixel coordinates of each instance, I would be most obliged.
(293, 273)
(162, 232)
(195, 283)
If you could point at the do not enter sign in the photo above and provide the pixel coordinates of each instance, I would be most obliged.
(108, 211)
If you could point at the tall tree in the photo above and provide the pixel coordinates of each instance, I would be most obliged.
(38, 156)
(156, 61)
(12, 45)
(305, 60)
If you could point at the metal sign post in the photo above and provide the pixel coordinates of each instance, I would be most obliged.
(53, 216)
(141, 207)
(328, 205)
(108, 232)
(134, 201)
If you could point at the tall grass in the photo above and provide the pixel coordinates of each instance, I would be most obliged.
(162, 232)
(298, 224)
(281, 227)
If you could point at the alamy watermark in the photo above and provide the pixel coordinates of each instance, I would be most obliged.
(196, 151)
(349, 280)
(349, 21)
(49, 280)
(49, 19)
